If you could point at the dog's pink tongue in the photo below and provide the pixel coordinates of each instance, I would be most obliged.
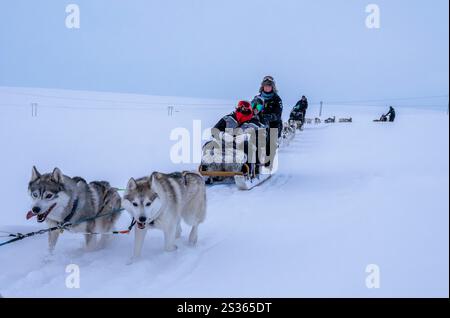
(30, 215)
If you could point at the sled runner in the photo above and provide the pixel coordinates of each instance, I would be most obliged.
(246, 182)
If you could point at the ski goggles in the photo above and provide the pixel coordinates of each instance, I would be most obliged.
(245, 111)
(244, 106)
(268, 80)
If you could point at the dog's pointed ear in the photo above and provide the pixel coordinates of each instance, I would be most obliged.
(132, 184)
(35, 174)
(154, 176)
(149, 180)
(57, 175)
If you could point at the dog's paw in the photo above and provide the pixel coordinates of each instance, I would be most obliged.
(132, 260)
(171, 248)
(193, 243)
(49, 258)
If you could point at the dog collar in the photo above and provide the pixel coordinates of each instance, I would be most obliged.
(72, 212)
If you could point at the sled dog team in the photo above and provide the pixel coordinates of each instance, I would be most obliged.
(159, 201)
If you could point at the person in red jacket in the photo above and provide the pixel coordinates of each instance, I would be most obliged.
(242, 114)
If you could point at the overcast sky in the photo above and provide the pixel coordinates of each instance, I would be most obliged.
(222, 49)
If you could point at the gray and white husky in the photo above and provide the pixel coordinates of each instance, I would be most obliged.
(59, 199)
(161, 201)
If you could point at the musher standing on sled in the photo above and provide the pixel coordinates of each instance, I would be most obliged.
(299, 111)
(391, 114)
(273, 108)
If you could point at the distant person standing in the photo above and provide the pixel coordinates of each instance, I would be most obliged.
(273, 105)
(391, 114)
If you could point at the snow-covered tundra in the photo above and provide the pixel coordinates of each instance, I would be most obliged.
(357, 209)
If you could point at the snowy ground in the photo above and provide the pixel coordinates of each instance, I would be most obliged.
(345, 196)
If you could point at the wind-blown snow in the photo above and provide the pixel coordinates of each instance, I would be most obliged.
(345, 196)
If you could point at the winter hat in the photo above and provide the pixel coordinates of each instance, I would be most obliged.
(244, 111)
(243, 106)
(268, 81)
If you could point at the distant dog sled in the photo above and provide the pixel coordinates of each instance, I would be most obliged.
(382, 119)
(346, 120)
(330, 120)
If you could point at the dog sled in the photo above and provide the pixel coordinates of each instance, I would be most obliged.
(346, 120)
(289, 131)
(232, 165)
(382, 119)
(296, 119)
(294, 125)
(330, 120)
(245, 180)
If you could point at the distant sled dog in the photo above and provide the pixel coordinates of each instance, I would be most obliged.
(161, 201)
(58, 199)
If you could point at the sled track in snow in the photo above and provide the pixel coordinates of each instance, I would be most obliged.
(166, 270)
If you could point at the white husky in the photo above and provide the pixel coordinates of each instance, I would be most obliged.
(161, 201)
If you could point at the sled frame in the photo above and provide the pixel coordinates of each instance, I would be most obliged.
(224, 174)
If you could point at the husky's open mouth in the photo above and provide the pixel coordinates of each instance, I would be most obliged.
(42, 216)
(140, 225)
